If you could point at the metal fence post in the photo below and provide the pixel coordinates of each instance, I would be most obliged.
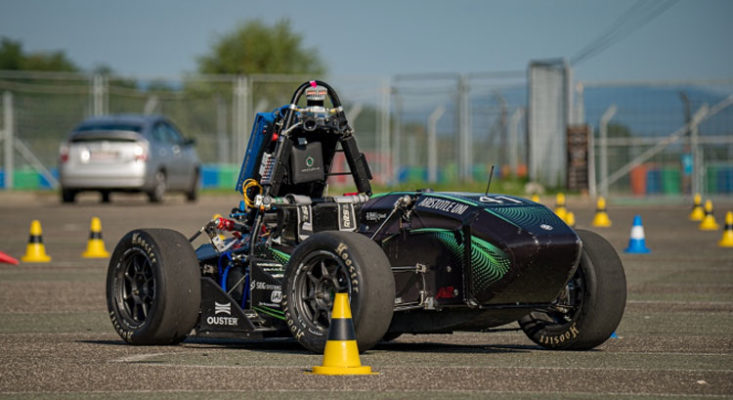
(98, 95)
(433, 143)
(9, 133)
(603, 139)
(385, 131)
(464, 130)
(397, 138)
(239, 120)
(513, 149)
(697, 162)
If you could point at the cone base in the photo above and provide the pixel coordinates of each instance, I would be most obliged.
(601, 221)
(33, 259)
(726, 241)
(363, 370)
(94, 255)
(697, 214)
(637, 248)
(637, 251)
(95, 250)
(35, 254)
(709, 227)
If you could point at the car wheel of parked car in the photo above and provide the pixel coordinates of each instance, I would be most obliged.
(105, 196)
(331, 262)
(153, 287)
(159, 188)
(68, 195)
(193, 193)
(591, 306)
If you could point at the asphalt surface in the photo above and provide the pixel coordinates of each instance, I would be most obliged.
(56, 341)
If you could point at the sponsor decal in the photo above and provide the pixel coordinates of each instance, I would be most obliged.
(571, 333)
(443, 205)
(222, 321)
(375, 216)
(546, 227)
(276, 296)
(498, 199)
(222, 308)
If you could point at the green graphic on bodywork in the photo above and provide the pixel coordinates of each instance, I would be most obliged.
(488, 263)
(270, 311)
(277, 255)
(527, 217)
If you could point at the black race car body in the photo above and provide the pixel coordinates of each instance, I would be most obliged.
(412, 262)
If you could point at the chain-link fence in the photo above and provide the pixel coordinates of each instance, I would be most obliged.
(420, 127)
(661, 138)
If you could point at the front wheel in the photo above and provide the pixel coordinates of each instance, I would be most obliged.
(590, 308)
(153, 287)
(331, 262)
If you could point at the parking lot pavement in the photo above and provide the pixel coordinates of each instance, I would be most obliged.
(57, 342)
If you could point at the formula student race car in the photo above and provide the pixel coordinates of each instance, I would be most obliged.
(411, 262)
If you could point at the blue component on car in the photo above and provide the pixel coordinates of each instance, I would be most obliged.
(249, 165)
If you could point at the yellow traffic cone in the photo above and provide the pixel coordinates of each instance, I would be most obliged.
(560, 209)
(697, 213)
(601, 219)
(570, 219)
(727, 239)
(535, 198)
(708, 222)
(95, 244)
(341, 355)
(35, 252)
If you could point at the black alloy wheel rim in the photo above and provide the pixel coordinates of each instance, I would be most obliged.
(136, 287)
(322, 275)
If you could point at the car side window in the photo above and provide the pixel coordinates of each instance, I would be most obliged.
(160, 133)
(173, 136)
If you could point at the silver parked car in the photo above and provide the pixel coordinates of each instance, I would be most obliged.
(128, 153)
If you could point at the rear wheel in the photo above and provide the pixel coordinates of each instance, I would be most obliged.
(331, 262)
(153, 287)
(590, 308)
(68, 195)
(192, 193)
(159, 187)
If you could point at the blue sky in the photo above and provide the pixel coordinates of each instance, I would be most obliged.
(691, 40)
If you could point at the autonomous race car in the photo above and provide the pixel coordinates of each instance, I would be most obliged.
(412, 262)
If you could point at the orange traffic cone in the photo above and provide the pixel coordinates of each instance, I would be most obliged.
(560, 209)
(341, 355)
(708, 222)
(601, 219)
(35, 252)
(697, 213)
(727, 239)
(4, 258)
(95, 244)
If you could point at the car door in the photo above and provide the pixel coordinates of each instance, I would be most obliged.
(179, 169)
(162, 154)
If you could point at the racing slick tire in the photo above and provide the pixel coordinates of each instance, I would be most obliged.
(153, 287)
(330, 262)
(596, 296)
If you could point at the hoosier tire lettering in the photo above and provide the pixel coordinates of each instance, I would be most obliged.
(594, 300)
(153, 287)
(330, 262)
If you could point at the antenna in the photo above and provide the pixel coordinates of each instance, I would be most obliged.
(491, 174)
